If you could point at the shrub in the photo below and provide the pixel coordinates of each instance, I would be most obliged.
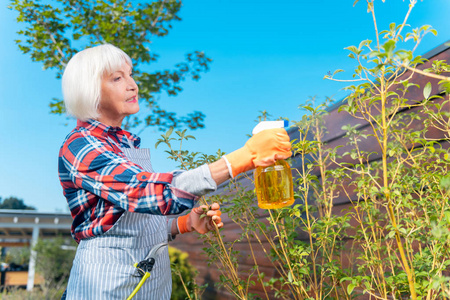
(393, 240)
(53, 262)
(183, 276)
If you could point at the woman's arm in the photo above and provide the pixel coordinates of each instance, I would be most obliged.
(203, 179)
(219, 171)
(90, 163)
(263, 149)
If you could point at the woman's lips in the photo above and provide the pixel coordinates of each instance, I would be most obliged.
(132, 100)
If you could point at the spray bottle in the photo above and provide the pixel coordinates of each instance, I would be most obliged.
(273, 184)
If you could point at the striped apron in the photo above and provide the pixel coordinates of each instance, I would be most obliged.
(103, 265)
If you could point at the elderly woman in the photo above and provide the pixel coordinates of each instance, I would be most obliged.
(118, 203)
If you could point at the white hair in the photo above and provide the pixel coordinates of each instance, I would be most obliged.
(81, 81)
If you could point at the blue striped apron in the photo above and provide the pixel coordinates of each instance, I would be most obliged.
(103, 265)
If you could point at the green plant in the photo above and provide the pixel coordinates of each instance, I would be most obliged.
(53, 262)
(392, 240)
(21, 294)
(19, 256)
(188, 160)
(399, 196)
(183, 276)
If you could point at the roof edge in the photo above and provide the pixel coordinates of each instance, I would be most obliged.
(22, 212)
(435, 51)
(432, 53)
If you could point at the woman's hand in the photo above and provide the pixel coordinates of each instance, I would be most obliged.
(205, 224)
(262, 149)
(201, 219)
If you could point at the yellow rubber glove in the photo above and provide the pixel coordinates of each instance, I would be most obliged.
(261, 150)
(193, 220)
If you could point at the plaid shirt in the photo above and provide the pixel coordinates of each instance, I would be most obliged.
(100, 183)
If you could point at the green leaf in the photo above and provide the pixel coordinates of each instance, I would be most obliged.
(290, 279)
(337, 71)
(350, 288)
(157, 143)
(345, 279)
(427, 90)
(374, 54)
(389, 47)
(169, 132)
(445, 182)
(352, 49)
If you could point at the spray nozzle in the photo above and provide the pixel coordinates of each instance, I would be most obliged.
(269, 125)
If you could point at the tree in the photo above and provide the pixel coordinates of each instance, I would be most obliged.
(54, 261)
(55, 32)
(17, 255)
(14, 203)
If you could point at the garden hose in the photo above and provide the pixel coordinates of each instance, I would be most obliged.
(145, 266)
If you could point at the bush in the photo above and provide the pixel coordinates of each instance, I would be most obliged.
(21, 294)
(183, 274)
(392, 240)
(18, 256)
(54, 262)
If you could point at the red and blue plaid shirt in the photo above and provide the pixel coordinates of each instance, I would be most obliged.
(100, 183)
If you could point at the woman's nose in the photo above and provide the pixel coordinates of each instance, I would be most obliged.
(132, 84)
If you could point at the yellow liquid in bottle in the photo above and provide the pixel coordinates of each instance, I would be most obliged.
(274, 186)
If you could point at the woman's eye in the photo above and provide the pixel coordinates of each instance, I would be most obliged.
(117, 78)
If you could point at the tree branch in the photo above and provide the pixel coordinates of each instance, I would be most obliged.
(425, 73)
(52, 37)
(160, 10)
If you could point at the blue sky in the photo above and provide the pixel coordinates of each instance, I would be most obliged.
(266, 55)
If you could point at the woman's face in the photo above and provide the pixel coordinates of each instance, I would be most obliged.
(119, 96)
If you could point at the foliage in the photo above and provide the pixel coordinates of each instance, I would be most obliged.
(14, 203)
(54, 261)
(56, 30)
(391, 240)
(22, 294)
(18, 256)
(183, 276)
